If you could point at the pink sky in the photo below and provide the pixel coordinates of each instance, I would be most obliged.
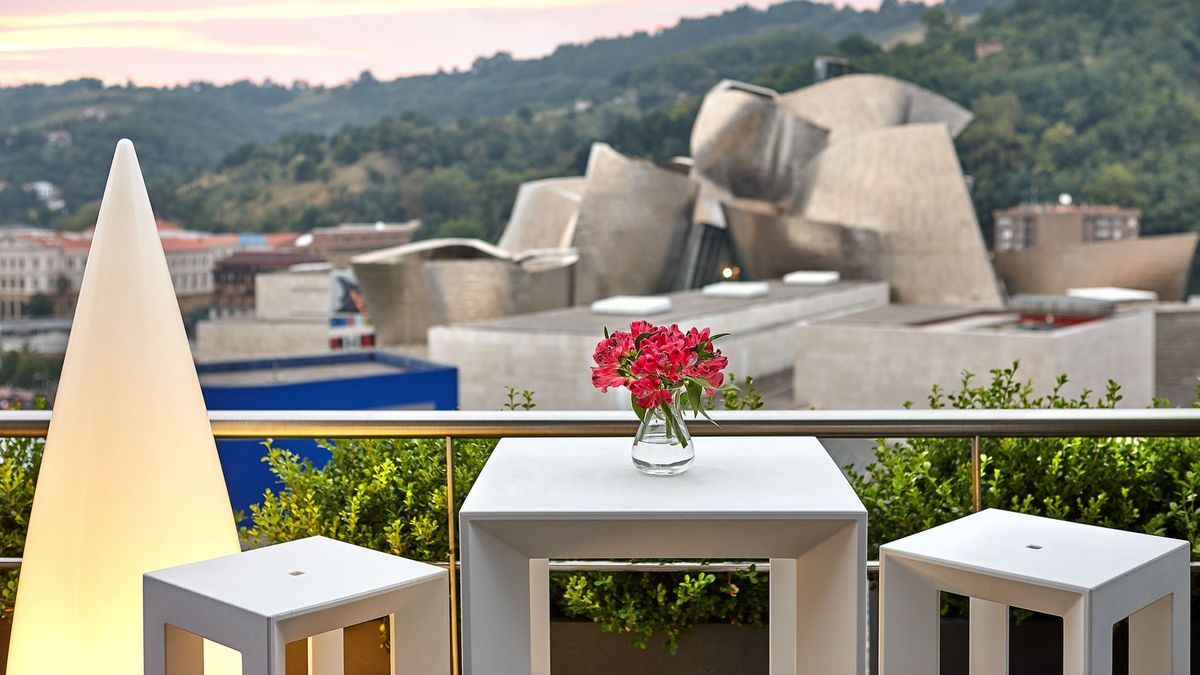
(329, 41)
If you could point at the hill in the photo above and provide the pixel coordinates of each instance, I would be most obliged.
(183, 130)
(1095, 98)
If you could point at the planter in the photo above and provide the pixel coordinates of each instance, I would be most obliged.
(582, 648)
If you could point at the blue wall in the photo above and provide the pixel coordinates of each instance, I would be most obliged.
(414, 384)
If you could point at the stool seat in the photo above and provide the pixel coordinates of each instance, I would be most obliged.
(1091, 576)
(257, 601)
(1049, 552)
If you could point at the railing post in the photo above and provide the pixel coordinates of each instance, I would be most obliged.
(976, 488)
(454, 668)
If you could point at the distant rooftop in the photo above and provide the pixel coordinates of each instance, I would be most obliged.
(686, 306)
(378, 226)
(304, 369)
(1028, 313)
(1086, 209)
(289, 374)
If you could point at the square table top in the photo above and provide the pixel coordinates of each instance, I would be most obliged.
(594, 478)
(297, 577)
(1045, 551)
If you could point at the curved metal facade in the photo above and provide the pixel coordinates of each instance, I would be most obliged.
(632, 227)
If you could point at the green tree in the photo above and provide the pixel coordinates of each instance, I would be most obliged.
(39, 305)
(1114, 184)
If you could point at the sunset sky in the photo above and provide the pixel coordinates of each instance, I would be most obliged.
(327, 41)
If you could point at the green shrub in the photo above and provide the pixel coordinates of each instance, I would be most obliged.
(385, 494)
(20, 459)
(1138, 484)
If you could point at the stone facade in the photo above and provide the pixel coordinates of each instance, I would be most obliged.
(866, 362)
(551, 352)
(1177, 352)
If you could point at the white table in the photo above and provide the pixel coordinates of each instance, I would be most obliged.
(1090, 576)
(744, 498)
(258, 601)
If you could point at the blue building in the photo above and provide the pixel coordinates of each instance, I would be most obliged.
(366, 380)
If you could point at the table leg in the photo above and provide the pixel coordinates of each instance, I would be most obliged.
(326, 653)
(989, 638)
(829, 601)
(909, 620)
(539, 615)
(497, 607)
(782, 611)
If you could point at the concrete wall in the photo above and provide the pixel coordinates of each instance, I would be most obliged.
(869, 366)
(292, 295)
(1177, 352)
(229, 339)
(557, 365)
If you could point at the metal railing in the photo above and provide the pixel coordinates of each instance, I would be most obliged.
(868, 424)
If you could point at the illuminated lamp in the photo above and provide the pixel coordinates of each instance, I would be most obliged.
(130, 480)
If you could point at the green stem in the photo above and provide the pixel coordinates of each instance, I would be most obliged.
(673, 424)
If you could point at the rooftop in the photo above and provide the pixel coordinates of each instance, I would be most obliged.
(1086, 209)
(686, 306)
(1027, 314)
(300, 369)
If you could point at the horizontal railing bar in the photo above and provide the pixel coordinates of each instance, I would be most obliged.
(1088, 422)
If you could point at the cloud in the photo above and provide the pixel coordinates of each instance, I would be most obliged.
(330, 41)
(302, 9)
(21, 44)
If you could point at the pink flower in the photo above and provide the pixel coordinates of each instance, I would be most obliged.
(649, 394)
(653, 361)
(604, 377)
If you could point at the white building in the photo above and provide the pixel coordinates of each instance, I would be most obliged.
(37, 261)
(308, 309)
(881, 358)
(551, 352)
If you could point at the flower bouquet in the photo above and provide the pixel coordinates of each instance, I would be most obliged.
(664, 369)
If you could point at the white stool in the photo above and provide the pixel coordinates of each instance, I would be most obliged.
(1090, 576)
(258, 601)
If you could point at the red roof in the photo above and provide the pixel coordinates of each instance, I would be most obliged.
(268, 258)
(163, 226)
(278, 239)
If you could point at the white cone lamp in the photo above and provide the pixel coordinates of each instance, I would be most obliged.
(130, 481)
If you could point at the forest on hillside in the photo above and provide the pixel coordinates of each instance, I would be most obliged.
(185, 130)
(1096, 98)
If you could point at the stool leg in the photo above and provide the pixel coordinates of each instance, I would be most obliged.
(258, 662)
(420, 630)
(1153, 636)
(1087, 642)
(909, 621)
(326, 654)
(185, 652)
(989, 638)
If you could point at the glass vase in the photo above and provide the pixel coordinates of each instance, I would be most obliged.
(662, 447)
